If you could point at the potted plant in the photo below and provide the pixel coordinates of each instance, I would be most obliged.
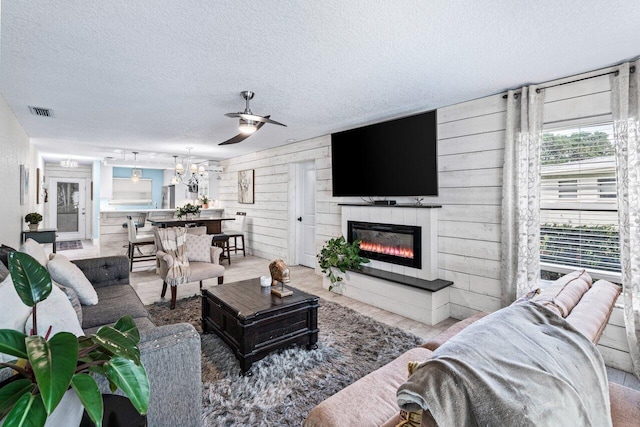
(187, 210)
(33, 218)
(204, 201)
(337, 256)
(47, 367)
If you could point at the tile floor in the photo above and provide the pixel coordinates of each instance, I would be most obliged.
(148, 286)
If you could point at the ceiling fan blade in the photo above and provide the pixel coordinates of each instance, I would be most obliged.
(241, 136)
(233, 114)
(264, 119)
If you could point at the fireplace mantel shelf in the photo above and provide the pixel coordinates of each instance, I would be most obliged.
(401, 205)
(428, 285)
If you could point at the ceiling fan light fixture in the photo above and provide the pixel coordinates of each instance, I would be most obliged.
(247, 127)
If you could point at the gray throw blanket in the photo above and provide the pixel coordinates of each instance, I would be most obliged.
(520, 366)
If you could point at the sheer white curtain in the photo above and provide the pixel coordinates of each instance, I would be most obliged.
(521, 193)
(625, 95)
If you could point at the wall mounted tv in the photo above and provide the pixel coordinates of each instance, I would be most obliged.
(393, 158)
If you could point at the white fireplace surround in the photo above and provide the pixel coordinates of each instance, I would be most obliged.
(418, 304)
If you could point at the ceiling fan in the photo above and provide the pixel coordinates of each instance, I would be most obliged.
(249, 122)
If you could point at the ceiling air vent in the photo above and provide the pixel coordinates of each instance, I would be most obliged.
(39, 111)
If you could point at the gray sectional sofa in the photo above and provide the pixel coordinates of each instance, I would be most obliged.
(170, 353)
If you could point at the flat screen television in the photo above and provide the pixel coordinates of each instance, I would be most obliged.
(393, 158)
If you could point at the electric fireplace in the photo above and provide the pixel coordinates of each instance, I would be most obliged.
(392, 243)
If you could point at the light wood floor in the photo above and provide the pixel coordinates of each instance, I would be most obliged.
(148, 286)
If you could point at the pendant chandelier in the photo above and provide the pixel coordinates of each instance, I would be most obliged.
(68, 163)
(192, 175)
(136, 173)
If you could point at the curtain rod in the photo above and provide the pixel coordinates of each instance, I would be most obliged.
(632, 69)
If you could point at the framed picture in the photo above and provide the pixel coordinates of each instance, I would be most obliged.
(24, 184)
(245, 186)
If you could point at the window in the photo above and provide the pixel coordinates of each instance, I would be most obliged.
(568, 188)
(578, 202)
(607, 188)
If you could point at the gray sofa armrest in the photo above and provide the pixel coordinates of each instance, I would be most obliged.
(171, 356)
(105, 271)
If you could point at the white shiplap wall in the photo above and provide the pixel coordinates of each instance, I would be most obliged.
(470, 156)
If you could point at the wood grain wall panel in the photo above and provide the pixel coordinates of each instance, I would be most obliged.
(470, 157)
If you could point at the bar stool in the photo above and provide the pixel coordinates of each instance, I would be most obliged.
(135, 241)
(222, 241)
(235, 231)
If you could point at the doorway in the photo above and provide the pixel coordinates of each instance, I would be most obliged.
(305, 213)
(67, 208)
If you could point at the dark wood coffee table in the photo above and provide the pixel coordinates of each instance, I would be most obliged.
(253, 322)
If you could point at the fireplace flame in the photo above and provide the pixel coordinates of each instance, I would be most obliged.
(387, 250)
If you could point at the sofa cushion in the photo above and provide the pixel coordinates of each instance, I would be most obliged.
(68, 274)
(199, 247)
(55, 311)
(370, 401)
(142, 323)
(33, 248)
(592, 314)
(625, 405)
(205, 270)
(564, 293)
(114, 302)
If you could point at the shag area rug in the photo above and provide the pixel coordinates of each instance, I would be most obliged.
(286, 385)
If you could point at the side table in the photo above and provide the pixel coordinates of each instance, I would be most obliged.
(42, 235)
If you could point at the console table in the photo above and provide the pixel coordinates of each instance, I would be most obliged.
(42, 235)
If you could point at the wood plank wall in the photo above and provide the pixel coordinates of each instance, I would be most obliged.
(470, 156)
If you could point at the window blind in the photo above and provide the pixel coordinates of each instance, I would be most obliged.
(578, 201)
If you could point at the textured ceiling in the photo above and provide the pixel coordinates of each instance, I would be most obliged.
(157, 76)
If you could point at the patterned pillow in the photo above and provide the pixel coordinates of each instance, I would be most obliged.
(199, 247)
(4, 254)
(4, 272)
(410, 419)
(73, 299)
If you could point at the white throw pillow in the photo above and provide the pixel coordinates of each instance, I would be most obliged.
(68, 274)
(199, 247)
(56, 311)
(33, 248)
(13, 312)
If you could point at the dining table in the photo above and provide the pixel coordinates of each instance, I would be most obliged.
(213, 224)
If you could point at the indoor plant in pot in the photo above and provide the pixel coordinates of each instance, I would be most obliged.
(188, 210)
(337, 256)
(33, 218)
(204, 201)
(47, 367)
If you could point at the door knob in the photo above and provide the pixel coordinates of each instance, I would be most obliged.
(300, 218)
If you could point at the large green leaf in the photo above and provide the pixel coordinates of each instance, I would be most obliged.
(12, 392)
(127, 326)
(28, 412)
(30, 278)
(117, 343)
(54, 363)
(132, 379)
(12, 343)
(87, 390)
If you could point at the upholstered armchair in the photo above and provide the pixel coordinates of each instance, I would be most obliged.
(201, 268)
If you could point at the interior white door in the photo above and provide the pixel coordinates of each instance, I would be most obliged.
(306, 214)
(67, 207)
